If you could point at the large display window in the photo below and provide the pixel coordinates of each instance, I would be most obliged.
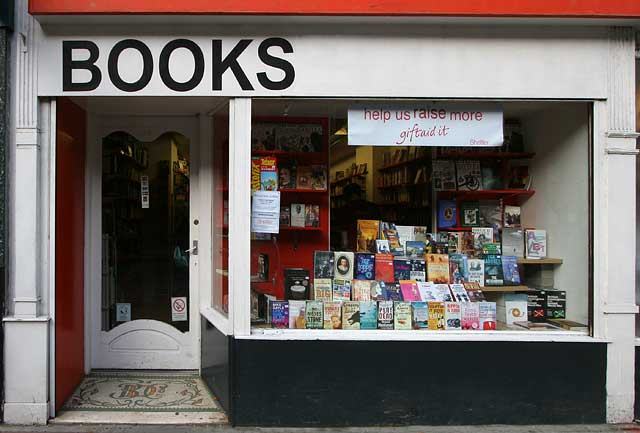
(394, 236)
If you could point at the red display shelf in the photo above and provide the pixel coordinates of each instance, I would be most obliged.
(296, 155)
(403, 163)
(488, 194)
(402, 185)
(300, 229)
(348, 178)
(304, 191)
(479, 154)
(454, 229)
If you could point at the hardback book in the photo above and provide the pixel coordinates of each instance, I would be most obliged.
(436, 316)
(409, 290)
(475, 272)
(569, 325)
(487, 315)
(468, 175)
(312, 215)
(452, 316)
(296, 284)
(382, 246)
(491, 248)
(351, 315)
(285, 216)
(513, 242)
(537, 305)
(341, 290)
(319, 177)
(385, 315)
(442, 293)
(368, 315)
(536, 244)
(303, 177)
(367, 233)
(426, 291)
(414, 249)
(391, 234)
(394, 293)
(481, 236)
(556, 303)
(491, 176)
(361, 290)
(420, 315)
(378, 291)
(384, 268)
(332, 315)
(314, 315)
(493, 274)
(418, 270)
(322, 289)
(343, 265)
(268, 173)
(401, 269)
(458, 267)
(297, 314)
(447, 214)
(470, 214)
(470, 313)
(537, 326)
(365, 266)
(280, 314)
(402, 316)
(443, 175)
(474, 292)
(323, 264)
(512, 216)
(438, 268)
(286, 175)
(491, 215)
(255, 173)
(510, 270)
(298, 214)
(459, 293)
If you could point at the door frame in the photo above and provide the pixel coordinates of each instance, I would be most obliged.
(144, 128)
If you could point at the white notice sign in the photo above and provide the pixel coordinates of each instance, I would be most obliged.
(428, 124)
(265, 212)
(144, 191)
(179, 309)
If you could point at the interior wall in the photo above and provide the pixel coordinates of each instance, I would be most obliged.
(560, 137)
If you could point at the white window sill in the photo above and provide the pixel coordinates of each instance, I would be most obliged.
(217, 319)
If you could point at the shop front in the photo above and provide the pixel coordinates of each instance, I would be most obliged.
(337, 221)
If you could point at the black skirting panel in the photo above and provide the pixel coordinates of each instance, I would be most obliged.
(637, 405)
(346, 383)
(216, 363)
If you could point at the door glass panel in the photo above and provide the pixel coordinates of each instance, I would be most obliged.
(145, 230)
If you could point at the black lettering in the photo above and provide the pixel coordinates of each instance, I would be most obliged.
(276, 62)
(68, 65)
(147, 65)
(229, 62)
(198, 71)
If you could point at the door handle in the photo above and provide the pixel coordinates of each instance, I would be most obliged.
(193, 250)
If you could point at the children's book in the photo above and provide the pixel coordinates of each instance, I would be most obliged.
(476, 271)
(343, 265)
(510, 270)
(385, 315)
(323, 264)
(394, 293)
(280, 314)
(438, 268)
(378, 291)
(297, 315)
(255, 173)
(368, 315)
(268, 173)
(458, 268)
(322, 289)
(365, 266)
(459, 293)
(447, 214)
(493, 274)
(401, 269)
(332, 315)
(436, 316)
(384, 268)
(402, 316)
(314, 315)
(420, 315)
(351, 315)
(452, 316)
(367, 233)
(470, 313)
(409, 290)
(341, 290)
(487, 316)
(361, 290)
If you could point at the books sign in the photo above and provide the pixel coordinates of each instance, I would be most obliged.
(429, 124)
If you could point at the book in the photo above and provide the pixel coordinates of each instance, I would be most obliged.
(429, 243)
(341, 290)
(447, 214)
(263, 267)
(303, 177)
(402, 316)
(510, 271)
(414, 249)
(314, 315)
(459, 293)
(323, 264)
(438, 268)
(512, 216)
(409, 290)
(384, 268)
(368, 315)
(391, 234)
(556, 304)
(537, 326)
(491, 175)
(401, 269)
(458, 268)
(442, 293)
(436, 316)
(420, 315)
(536, 244)
(378, 291)
(514, 309)
(569, 325)
(385, 315)
(466, 243)
(440, 248)
(312, 215)
(470, 314)
(473, 292)
(468, 175)
(487, 316)
(263, 136)
(255, 173)
(298, 215)
(519, 178)
(296, 284)
(536, 305)
(280, 314)
(513, 242)
(323, 289)
(297, 315)
(332, 315)
(406, 233)
(365, 266)
(286, 175)
(443, 175)
(268, 173)
(426, 291)
(491, 248)
(382, 246)
(418, 270)
(493, 275)
(470, 214)
(319, 177)
(481, 236)
(394, 293)
(491, 215)
(361, 290)
(452, 316)
(475, 271)
(285, 216)
(343, 265)
(351, 315)
(367, 234)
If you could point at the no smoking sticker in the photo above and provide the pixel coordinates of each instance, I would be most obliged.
(179, 309)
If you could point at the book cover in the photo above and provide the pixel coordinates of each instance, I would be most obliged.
(385, 315)
(319, 177)
(443, 175)
(468, 175)
(536, 244)
(442, 293)
(512, 216)
(280, 314)
(255, 173)
(361, 290)
(429, 243)
(365, 266)
(487, 315)
(402, 316)
(470, 313)
(287, 175)
(537, 305)
(569, 325)
(394, 293)
(322, 289)
(447, 214)
(438, 268)
(418, 270)
(436, 316)
(384, 268)
(481, 236)
(474, 292)
(406, 233)
(332, 315)
(314, 315)
(453, 241)
(440, 248)
(493, 275)
(409, 289)
(382, 246)
(297, 314)
(285, 216)
(491, 215)
(303, 177)
(470, 214)
(367, 233)
(341, 290)
(351, 315)
(556, 303)
(458, 266)
(475, 272)
(298, 214)
(323, 264)
(296, 284)
(268, 173)
(426, 291)
(414, 249)
(401, 269)
(513, 242)
(368, 315)
(312, 215)
(419, 233)
(343, 265)
(491, 175)
(466, 243)
(391, 235)
(510, 270)
(420, 312)
(491, 248)
(452, 316)
(378, 291)
(515, 308)
(459, 293)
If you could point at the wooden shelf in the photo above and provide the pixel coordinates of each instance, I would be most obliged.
(479, 154)
(403, 163)
(504, 288)
(547, 261)
(487, 194)
(402, 185)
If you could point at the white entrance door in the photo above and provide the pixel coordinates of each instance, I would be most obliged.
(143, 230)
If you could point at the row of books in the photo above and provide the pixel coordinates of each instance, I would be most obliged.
(300, 215)
(480, 213)
(287, 137)
(471, 175)
(269, 174)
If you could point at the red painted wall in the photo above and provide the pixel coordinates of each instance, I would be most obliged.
(508, 8)
(70, 158)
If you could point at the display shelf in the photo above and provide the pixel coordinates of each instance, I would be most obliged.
(487, 194)
(403, 163)
(348, 178)
(304, 191)
(293, 155)
(402, 185)
(547, 261)
(479, 154)
(454, 229)
(300, 229)
(504, 288)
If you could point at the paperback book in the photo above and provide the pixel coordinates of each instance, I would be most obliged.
(426, 291)
(402, 315)
(459, 293)
(418, 270)
(536, 244)
(382, 246)
(365, 266)
(401, 269)
(322, 289)
(487, 315)
(384, 268)
(298, 214)
(385, 315)
(287, 175)
(442, 293)
(468, 175)
(470, 313)
(420, 315)
(513, 242)
(447, 214)
(268, 174)
(312, 215)
(343, 265)
(351, 315)
(556, 303)
(476, 271)
(436, 316)
(361, 290)
(470, 214)
(481, 236)
(409, 290)
(474, 292)
(393, 292)
(368, 315)
(438, 268)
(319, 177)
(378, 291)
(443, 175)
(493, 274)
(296, 284)
(458, 268)
(512, 216)
(332, 315)
(367, 233)
(341, 290)
(297, 315)
(452, 316)
(323, 264)
(391, 234)
(491, 214)
(414, 249)
(313, 315)
(285, 216)
(280, 314)
(510, 270)
(303, 177)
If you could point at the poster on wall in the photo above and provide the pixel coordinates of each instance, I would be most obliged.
(428, 124)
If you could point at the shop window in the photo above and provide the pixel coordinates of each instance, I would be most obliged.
(394, 236)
